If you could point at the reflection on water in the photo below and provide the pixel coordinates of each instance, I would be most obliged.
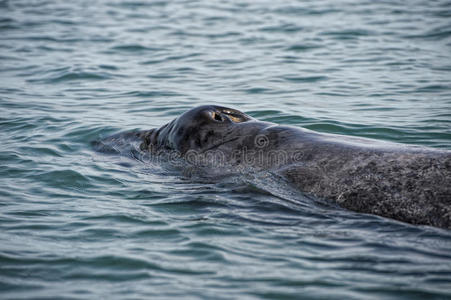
(77, 224)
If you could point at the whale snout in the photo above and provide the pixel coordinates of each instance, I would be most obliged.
(200, 128)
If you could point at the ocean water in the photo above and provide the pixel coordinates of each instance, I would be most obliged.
(77, 224)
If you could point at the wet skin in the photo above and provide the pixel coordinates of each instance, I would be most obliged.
(403, 182)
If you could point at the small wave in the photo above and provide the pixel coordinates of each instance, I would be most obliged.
(41, 151)
(8, 24)
(306, 79)
(302, 47)
(433, 88)
(45, 38)
(256, 90)
(151, 94)
(63, 178)
(438, 33)
(138, 4)
(287, 28)
(84, 133)
(348, 34)
(121, 218)
(154, 233)
(133, 48)
(287, 119)
(305, 11)
(66, 76)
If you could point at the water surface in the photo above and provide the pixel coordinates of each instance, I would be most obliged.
(77, 224)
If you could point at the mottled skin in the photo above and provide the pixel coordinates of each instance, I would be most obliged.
(406, 183)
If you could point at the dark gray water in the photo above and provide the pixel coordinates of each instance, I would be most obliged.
(78, 224)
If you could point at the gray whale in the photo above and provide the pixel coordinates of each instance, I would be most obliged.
(403, 182)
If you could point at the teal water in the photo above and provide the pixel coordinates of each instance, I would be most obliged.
(76, 224)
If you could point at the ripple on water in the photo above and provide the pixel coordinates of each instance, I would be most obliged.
(75, 223)
(61, 77)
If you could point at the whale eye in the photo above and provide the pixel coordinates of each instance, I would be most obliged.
(235, 117)
(217, 116)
